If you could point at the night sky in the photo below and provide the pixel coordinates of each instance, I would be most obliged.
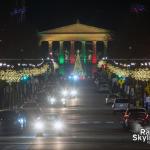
(103, 13)
(115, 15)
(52, 13)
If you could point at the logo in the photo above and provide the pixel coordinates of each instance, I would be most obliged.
(142, 136)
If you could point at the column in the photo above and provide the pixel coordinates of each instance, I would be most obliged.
(50, 48)
(83, 53)
(72, 54)
(105, 48)
(61, 54)
(94, 60)
(50, 45)
(60, 47)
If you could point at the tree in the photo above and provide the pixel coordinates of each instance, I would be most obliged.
(78, 70)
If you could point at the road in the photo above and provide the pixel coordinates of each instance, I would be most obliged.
(90, 124)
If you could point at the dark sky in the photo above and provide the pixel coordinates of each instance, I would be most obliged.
(100, 13)
(52, 13)
(103, 13)
(116, 15)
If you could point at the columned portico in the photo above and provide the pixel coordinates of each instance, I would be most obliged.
(77, 32)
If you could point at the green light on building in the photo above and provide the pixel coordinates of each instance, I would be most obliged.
(84, 59)
(61, 59)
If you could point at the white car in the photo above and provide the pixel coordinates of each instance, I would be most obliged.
(110, 98)
(120, 104)
(57, 101)
(48, 124)
(69, 93)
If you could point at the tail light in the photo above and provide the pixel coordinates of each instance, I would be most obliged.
(126, 116)
(147, 116)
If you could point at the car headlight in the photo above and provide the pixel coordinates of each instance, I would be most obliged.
(73, 92)
(70, 77)
(21, 120)
(58, 125)
(75, 77)
(63, 100)
(65, 93)
(52, 100)
(39, 125)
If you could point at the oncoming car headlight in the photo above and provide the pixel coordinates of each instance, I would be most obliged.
(52, 100)
(63, 101)
(73, 92)
(39, 125)
(58, 125)
(21, 120)
(65, 93)
(75, 77)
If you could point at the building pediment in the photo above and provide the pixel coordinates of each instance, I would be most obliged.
(75, 32)
(77, 28)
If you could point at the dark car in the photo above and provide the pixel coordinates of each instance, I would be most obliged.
(31, 106)
(11, 121)
(135, 116)
(30, 116)
(120, 104)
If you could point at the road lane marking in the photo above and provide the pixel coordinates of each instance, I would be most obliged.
(83, 122)
(110, 122)
(68, 139)
(96, 122)
(74, 136)
(17, 137)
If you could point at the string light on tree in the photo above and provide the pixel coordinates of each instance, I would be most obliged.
(78, 70)
(141, 74)
(11, 75)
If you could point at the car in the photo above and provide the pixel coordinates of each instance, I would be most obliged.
(69, 93)
(135, 116)
(120, 104)
(30, 116)
(32, 105)
(48, 124)
(31, 111)
(110, 98)
(104, 88)
(57, 101)
(134, 110)
(11, 121)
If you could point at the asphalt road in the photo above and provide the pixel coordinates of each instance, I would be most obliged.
(90, 124)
